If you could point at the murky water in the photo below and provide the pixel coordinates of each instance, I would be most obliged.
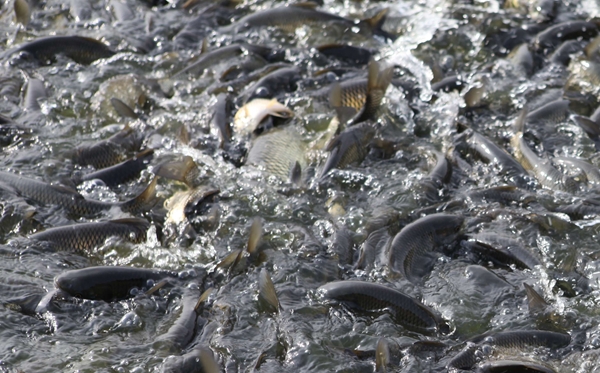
(302, 222)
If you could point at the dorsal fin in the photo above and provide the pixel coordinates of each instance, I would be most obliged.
(254, 236)
(266, 291)
(535, 301)
(377, 20)
(306, 5)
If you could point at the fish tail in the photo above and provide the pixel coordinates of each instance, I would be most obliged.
(377, 20)
(266, 291)
(178, 170)
(143, 202)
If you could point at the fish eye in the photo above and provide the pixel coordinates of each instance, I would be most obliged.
(262, 92)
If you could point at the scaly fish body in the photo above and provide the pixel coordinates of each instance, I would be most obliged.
(108, 152)
(419, 240)
(182, 331)
(106, 282)
(80, 49)
(368, 296)
(350, 146)
(87, 236)
(121, 173)
(277, 151)
(70, 199)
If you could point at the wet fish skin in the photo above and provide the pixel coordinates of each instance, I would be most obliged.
(556, 34)
(108, 152)
(550, 113)
(562, 55)
(347, 53)
(183, 330)
(211, 58)
(80, 49)
(350, 146)
(289, 18)
(492, 153)
(124, 172)
(370, 296)
(508, 340)
(505, 194)
(35, 90)
(274, 83)
(419, 240)
(107, 283)
(70, 199)
(504, 250)
(195, 361)
(439, 175)
(277, 151)
(84, 237)
(513, 366)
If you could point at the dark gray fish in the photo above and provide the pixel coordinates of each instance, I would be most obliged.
(592, 173)
(591, 127)
(493, 154)
(551, 113)
(199, 360)
(504, 250)
(214, 57)
(220, 119)
(107, 283)
(522, 59)
(551, 37)
(84, 237)
(342, 246)
(184, 170)
(70, 199)
(413, 249)
(347, 53)
(35, 90)
(266, 292)
(110, 151)
(521, 340)
(274, 83)
(578, 210)
(185, 327)
(545, 173)
(124, 172)
(505, 195)
(374, 246)
(289, 18)
(440, 175)
(350, 146)
(372, 297)
(513, 366)
(562, 55)
(80, 49)
(448, 84)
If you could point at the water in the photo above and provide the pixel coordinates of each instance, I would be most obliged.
(299, 222)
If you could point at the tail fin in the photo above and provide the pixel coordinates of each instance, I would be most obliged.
(143, 202)
(266, 291)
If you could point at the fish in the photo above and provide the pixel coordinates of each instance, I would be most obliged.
(550, 113)
(248, 118)
(185, 205)
(522, 59)
(591, 172)
(277, 152)
(185, 327)
(413, 249)
(70, 199)
(551, 37)
(500, 366)
(267, 294)
(199, 360)
(350, 146)
(108, 283)
(22, 12)
(35, 90)
(562, 55)
(545, 173)
(220, 120)
(491, 153)
(347, 53)
(504, 194)
(591, 127)
(382, 355)
(449, 83)
(123, 172)
(378, 81)
(184, 170)
(440, 175)
(209, 59)
(519, 340)
(274, 83)
(80, 49)
(289, 18)
(108, 152)
(502, 250)
(407, 311)
(84, 237)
